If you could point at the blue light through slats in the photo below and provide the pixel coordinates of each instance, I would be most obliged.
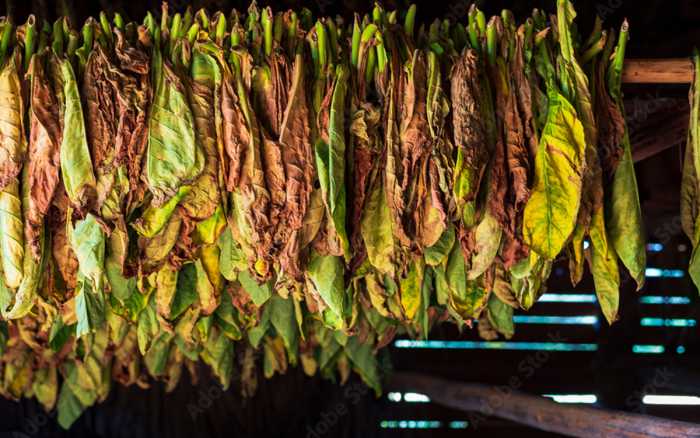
(567, 298)
(658, 299)
(648, 349)
(410, 397)
(481, 345)
(656, 399)
(573, 398)
(540, 319)
(410, 424)
(655, 247)
(459, 424)
(664, 273)
(668, 322)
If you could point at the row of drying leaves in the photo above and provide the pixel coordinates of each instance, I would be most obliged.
(308, 189)
(690, 182)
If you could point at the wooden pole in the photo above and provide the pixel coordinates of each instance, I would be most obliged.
(658, 71)
(541, 413)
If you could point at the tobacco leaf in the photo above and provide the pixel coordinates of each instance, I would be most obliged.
(377, 230)
(466, 297)
(32, 266)
(469, 134)
(174, 156)
(246, 177)
(365, 142)
(623, 214)
(13, 148)
(550, 213)
(116, 86)
(12, 238)
(297, 155)
(330, 161)
(44, 148)
(512, 161)
(62, 251)
(325, 274)
(269, 91)
(76, 167)
(88, 242)
(690, 188)
(500, 316)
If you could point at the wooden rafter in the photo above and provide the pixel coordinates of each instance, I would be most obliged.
(541, 413)
(658, 71)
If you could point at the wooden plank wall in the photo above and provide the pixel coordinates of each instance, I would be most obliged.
(618, 373)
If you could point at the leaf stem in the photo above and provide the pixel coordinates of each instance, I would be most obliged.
(29, 41)
(266, 20)
(409, 22)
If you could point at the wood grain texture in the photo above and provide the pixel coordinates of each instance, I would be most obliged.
(541, 413)
(658, 71)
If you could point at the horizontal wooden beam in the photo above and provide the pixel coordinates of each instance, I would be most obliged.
(539, 412)
(658, 71)
(662, 131)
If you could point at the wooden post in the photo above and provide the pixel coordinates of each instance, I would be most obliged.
(541, 413)
(658, 71)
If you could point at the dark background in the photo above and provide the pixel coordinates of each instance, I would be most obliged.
(288, 406)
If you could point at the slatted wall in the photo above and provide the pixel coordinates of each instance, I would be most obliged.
(565, 349)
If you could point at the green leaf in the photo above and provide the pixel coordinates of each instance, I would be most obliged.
(69, 407)
(59, 333)
(121, 287)
(13, 148)
(410, 288)
(226, 319)
(45, 387)
(89, 307)
(155, 218)
(364, 362)
(147, 328)
(327, 276)
(604, 268)
(487, 240)
(208, 295)
(231, 257)
(185, 290)
(256, 334)
(173, 157)
(218, 354)
(330, 161)
(624, 218)
(12, 236)
(623, 214)
(440, 251)
(284, 321)
(377, 234)
(156, 358)
(88, 241)
(76, 167)
(32, 269)
(551, 212)
(6, 295)
(259, 293)
(166, 287)
(501, 316)
(467, 297)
